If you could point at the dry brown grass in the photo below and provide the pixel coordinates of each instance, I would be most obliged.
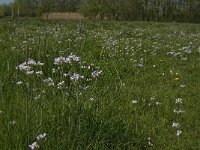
(63, 15)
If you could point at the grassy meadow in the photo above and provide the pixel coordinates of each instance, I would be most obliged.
(99, 85)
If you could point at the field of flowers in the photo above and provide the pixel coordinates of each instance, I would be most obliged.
(99, 85)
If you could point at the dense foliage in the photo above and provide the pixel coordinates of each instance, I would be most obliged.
(147, 10)
(5, 10)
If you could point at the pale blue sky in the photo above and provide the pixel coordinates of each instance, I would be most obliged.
(6, 1)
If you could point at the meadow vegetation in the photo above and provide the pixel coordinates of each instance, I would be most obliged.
(99, 85)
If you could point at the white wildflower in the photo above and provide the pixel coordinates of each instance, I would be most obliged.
(74, 57)
(29, 72)
(184, 58)
(66, 74)
(37, 97)
(40, 64)
(158, 103)
(91, 98)
(53, 70)
(176, 125)
(134, 101)
(179, 101)
(23, 66)
(44, 91)
(178, 111)
(69, 59)
(96, 73)
(59, 60)
(152, 98)
(140, 65)
(150, 142)
(26, 66)
(61, 83)
(182, 86)
(12, 122)
(34, 146)
(41, 137)
(76, 77)
(89, 79)
(178, 132)
(83, 67)
(31, 62)
(39, 73)
(19, 82)
(49, 81)
(198, 49)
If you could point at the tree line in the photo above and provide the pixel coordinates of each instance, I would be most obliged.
(147, 10)
(34, 8)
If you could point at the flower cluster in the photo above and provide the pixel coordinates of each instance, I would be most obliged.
(66, 70)
(179, 101)
(153, 101)
(96, 73)
(177, 125)
(150, 143)
(76, 77)
(28, 65)
(49, 81)
(39, 139)
(69, 59)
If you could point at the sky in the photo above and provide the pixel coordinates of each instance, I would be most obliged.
(6, 1)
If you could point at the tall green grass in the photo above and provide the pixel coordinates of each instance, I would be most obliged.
(130, 105)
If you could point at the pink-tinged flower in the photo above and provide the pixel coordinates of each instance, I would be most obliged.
(34, 146)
